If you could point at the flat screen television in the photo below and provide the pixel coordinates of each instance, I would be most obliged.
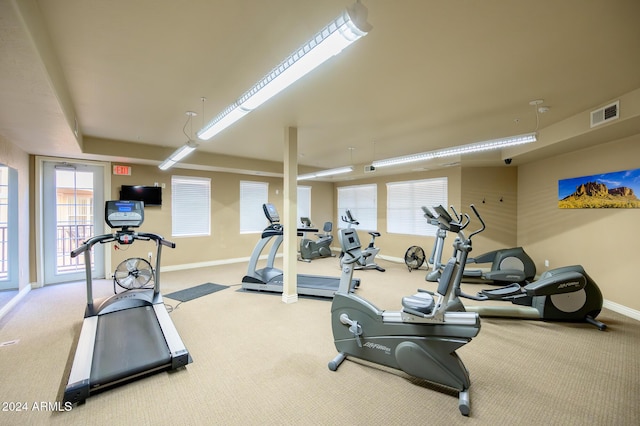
(150, 195)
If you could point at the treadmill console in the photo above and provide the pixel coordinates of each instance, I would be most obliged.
(271, 213)
(124, 214)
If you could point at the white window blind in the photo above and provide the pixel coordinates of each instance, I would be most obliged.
(362, 200)
(405, 201)
(252, 196)
(190, 206)
(304, 202)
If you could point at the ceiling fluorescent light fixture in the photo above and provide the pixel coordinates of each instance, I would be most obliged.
(325, 173)
(350, 26)
(178, 155)
(459, 150)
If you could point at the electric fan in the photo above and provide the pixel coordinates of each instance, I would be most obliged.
(133, 273)
(414, 257)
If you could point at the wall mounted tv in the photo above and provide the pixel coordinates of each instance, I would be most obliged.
(150, 195)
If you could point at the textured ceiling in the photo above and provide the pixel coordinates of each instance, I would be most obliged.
(431, 74)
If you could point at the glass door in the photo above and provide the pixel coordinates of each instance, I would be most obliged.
(8, 228)
(73, 211)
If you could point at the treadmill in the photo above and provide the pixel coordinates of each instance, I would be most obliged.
(271, 279)
(129, 334)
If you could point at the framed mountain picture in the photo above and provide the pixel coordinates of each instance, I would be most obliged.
(608, 190)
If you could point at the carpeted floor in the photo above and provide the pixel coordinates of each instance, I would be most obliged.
(194, 292)
(259, 361)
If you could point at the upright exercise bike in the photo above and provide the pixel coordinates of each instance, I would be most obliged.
(310, 249)
(420, 340)
(369, 254)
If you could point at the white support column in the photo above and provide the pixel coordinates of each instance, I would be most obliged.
(290, 252)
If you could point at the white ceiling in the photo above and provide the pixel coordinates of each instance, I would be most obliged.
(431, 74)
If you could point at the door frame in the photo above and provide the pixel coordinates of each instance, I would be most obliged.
(39, 218)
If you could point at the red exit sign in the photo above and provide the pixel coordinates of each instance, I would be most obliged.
(122, 170)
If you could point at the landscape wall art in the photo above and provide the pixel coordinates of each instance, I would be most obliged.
(604, 191)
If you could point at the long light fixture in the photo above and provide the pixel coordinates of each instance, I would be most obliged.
(325, 173)
(178, 155)
(459, 150)
(331, 40)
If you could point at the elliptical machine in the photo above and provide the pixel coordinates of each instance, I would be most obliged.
(321, 247)
(369, 254)
(563, 294)
(420, 340)
(511, 265)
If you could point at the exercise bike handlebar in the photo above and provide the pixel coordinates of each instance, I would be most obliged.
(349, 218)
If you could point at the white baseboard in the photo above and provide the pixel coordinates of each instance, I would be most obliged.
(211, 263)
(391, 258)
(621, 309)
(204, 264)
(14, 301)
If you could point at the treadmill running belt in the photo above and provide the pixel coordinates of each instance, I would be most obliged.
(128, 342)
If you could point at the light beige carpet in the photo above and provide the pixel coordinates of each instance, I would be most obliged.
(259, 361)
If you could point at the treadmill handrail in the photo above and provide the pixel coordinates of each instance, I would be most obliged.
(107, 238)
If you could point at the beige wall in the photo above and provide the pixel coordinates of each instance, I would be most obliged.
(493, 191)
(603, 241)
(225, 241)
(14, 157)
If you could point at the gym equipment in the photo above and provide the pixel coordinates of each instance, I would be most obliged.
(270, 278)
(562, 294)
(133, 273)
(130, 334)
(369, 254)
(414, 258)
(420, 340)
(321, 247)
(510, 265)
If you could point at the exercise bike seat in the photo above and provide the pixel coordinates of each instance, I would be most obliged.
(374, 233)
(421, 302)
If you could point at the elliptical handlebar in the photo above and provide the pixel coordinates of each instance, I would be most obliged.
(455, 212)
(427, 213)
(475, 211)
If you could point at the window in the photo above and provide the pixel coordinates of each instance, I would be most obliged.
(190, 206)
(252, 196)
(8, 228)
(304, 202)
(362, 201)
(405, 201)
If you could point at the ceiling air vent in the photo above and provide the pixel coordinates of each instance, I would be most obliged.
(605, 114)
